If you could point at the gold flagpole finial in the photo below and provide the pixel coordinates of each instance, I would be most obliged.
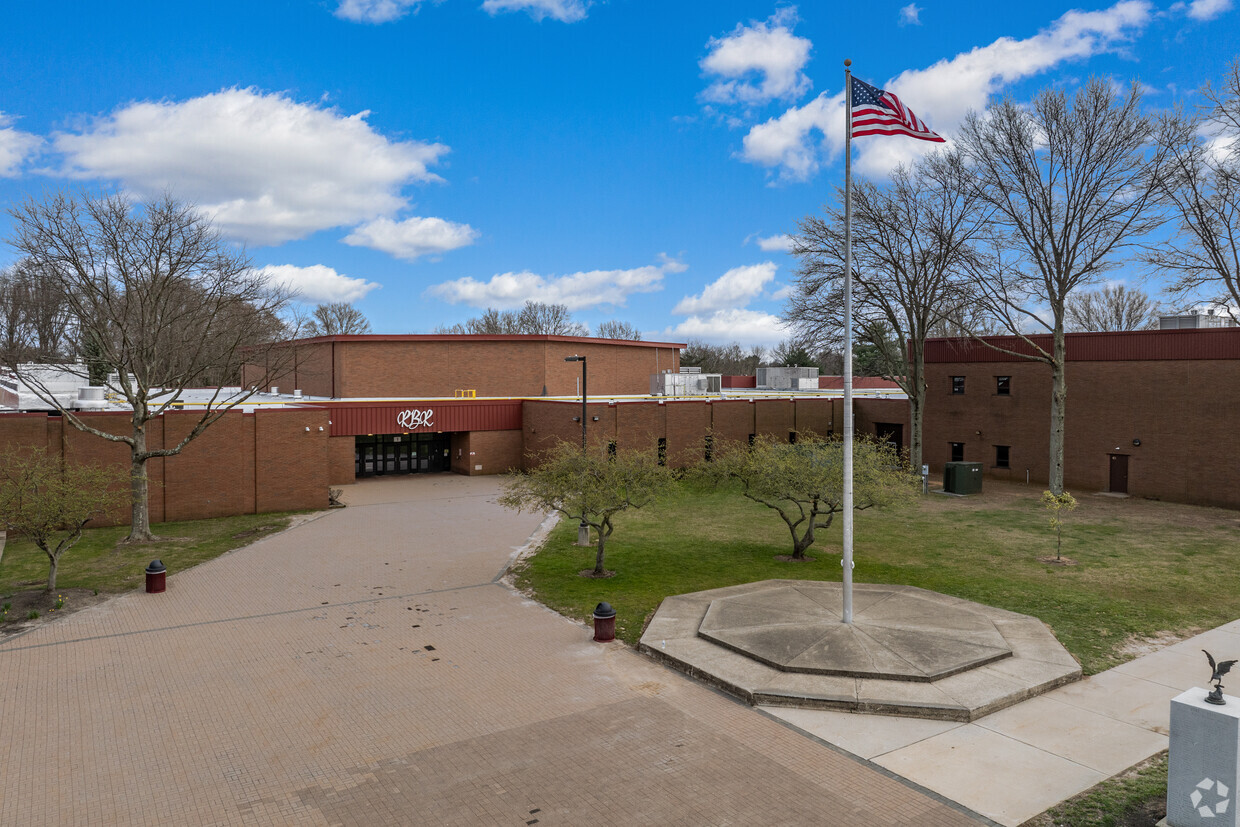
(847, 61)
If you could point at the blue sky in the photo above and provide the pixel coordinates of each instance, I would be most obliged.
(634, 160)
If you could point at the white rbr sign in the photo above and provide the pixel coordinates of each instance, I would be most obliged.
(413, 418)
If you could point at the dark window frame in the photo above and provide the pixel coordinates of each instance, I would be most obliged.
(1003, 456)
(1003, 386)
(954, 453)
(957, 385)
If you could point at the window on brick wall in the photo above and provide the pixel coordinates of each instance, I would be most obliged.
(792, 437)
(1003, 385)
(710, 448)
(1003, 455)
(957, 452)
(662, 450)
(957, 384)
(611, 448)
(752, 437)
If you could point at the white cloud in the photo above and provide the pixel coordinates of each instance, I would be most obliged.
(785, 291)
(767, 49)
(267, 168)
(784, 141)
(318, 284)
(775, 243)
(413, 237)
(375, 11)
(575, 290)
(941, 94)
(910, 15)
(749, 327)
(566, 11)
(1208, 9)
(671, 265)
(735, 288)
(15, 147)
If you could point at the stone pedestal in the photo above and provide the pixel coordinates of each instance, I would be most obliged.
(1204, 768)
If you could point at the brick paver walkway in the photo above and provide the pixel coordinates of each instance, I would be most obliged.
(364, 668)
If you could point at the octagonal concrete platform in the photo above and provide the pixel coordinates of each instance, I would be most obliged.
(908, 651)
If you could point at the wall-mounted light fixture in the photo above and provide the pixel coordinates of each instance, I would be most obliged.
(1136, 443)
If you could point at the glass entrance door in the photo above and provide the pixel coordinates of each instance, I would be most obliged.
(381, 454)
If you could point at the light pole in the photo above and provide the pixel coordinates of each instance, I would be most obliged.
(582, 360)
(583, 530)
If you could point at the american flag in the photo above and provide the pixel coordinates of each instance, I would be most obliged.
(877, 112)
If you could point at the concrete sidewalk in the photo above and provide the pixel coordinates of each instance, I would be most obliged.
(1014, 764)
(366, 668)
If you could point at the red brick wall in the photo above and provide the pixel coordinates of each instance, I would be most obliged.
(213, 476)
(732, 420)
(341, 460)
(816, 416)
(776, 417)
(244, 463)
(405, 368)
(291, 468)
(496, 451)
(688, 422)
(1183, 411)
(18, 431)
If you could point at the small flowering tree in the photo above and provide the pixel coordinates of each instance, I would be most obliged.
(588, 487)
(803, 482)
(1057, 504)
(49, 501)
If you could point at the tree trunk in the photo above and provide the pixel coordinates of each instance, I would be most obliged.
(917, 408)
(599, 571)
(1059, 398)
(51, 573)
(801, 544)
(140, 523)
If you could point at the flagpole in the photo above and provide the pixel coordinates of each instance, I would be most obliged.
(847, 560)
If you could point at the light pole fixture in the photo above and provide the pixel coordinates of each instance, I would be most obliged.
(583, 530)
(582, 360)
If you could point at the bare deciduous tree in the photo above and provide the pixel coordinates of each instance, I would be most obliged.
(1071, 184)
(34, 315)
(158, 296)
(910, 242)
(1114, 307)
(533, 318)
(337, 319)
(615, 329)
(726, 359)
(1202, 189)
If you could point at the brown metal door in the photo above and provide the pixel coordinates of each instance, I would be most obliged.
(1119, 474)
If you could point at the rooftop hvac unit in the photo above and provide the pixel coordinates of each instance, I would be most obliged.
(91, 398)
(686, 384)
(684, 369)
(787, 378)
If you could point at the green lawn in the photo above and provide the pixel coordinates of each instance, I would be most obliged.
(1141, 567)
(99, 564)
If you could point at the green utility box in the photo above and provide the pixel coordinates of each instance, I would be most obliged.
(962, 477)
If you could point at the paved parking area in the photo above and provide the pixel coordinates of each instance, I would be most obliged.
(366, 668)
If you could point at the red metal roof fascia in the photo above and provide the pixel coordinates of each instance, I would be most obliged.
(360, 418)
(1121, 346)
(475, 337)
(740, 381)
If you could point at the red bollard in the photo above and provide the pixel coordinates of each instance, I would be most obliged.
(156, 577)
(604, 623)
